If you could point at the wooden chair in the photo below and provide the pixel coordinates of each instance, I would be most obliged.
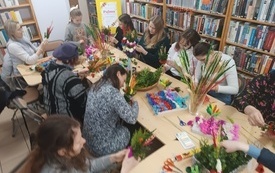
(51, 46)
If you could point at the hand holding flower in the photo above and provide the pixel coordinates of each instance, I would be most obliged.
(140, 49)
(255, 118)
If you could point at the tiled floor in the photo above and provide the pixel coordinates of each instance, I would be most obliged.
(13, 149)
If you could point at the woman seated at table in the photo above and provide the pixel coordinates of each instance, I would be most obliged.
(20, 50)
(257, 100)
(125, 25)
(60, 148)
(188, 39)
(229, 86)
(106, 110)
(64, 92)
(153, 38)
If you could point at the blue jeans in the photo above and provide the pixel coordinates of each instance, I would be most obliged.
(226, 98)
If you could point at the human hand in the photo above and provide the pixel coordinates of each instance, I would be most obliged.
(255, 118)
(215, 88)
(232, 146)
(43, 44)
(140, 49)
(81, 41)
(128, 163)
(118, 157)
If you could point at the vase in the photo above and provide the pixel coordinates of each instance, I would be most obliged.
(195, 102)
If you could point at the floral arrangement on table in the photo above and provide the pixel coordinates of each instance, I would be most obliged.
(105, 33)
(97, 41)
(146, 78)
(166, 100)
(162, 54)
(215, 159)
(96, 64)
(89, 51)
(207, 126)
(140, 143)
(130, 90)
(129, 43)
(48, 31)
(211, 73)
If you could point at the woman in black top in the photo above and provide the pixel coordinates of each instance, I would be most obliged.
(125, 25)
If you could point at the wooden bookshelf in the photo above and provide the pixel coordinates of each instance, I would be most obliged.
(21, 11)
(261, 26)
(226, 16)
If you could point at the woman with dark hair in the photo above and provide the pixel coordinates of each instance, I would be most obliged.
(188, 39)
(64, 92)
(60, 148)
(106, 109)
(229, 86)
(125, 25)
(150, 43)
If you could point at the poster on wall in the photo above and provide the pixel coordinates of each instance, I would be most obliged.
(108, 12)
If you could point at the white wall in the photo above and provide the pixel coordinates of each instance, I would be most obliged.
(57, 11)
(84, 10)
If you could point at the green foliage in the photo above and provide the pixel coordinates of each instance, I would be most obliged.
(162, 53)
(140, 143)
(147, 78)
(230, 161)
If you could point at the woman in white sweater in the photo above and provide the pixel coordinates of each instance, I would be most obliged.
(187, 41)
(227, 87)
(19, 50)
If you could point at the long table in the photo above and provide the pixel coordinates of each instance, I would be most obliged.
(167, 124)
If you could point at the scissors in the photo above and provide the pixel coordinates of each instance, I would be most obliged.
(168, 164)
(182, 123)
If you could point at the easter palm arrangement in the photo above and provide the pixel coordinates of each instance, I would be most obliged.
(212, 72)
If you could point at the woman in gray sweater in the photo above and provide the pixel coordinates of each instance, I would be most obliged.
(60, 149)
(106, 109)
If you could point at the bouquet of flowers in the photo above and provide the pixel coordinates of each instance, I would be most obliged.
(49, 31)
(130, 90)
(211, 72)
(215, 159)
(96, 40)
(162, 54)
(129, 43)
(140, 143)
(96, 64)
(208, 126)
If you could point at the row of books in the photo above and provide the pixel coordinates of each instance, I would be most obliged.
(260, 10)
(178, 19)
(158, 1)
(8, 3)
(174, 35)
(27, 33)
(216, 6)
(14, 15)
(251, 61)
(259, 37)
(180, 3)
(208, 25)
(144, 10)
(140, 26)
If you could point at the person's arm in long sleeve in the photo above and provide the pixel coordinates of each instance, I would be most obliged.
(128, 113)
(232, 86)
(118, 37)
(20, 53)
(248, 95)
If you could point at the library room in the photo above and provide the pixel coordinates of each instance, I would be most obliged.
(137, 86)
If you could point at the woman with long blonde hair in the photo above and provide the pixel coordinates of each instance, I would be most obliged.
(153, 38)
